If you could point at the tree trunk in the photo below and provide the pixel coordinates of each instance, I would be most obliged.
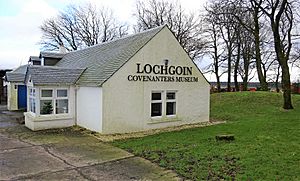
(286, 86)
(246, 58)
(218, 84)
(236, 67)
(261, 76)
(229, 71)
(283, 62)
(277, 79)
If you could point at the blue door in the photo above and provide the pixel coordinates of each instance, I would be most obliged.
(22, 96)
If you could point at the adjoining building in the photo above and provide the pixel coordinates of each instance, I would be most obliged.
(139, 82)
(16, 89)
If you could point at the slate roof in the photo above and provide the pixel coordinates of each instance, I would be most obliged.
(103, 60)
(52, 55)
(17, 75)
(53, 75)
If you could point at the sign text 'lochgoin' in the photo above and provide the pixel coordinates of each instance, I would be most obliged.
(163, 73)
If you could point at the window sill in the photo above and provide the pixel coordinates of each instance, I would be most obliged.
(165, 119)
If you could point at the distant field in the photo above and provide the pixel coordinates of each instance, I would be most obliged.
(266, 146)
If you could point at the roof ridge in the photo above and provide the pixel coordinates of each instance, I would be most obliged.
(120, 38)
(54, 67)
(52, 52)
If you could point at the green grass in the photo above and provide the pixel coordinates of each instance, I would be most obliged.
(266, 145)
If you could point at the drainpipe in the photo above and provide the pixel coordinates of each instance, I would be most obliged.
(76, 88)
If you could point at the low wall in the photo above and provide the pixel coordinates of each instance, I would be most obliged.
(47, 121)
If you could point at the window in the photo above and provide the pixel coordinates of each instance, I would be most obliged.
(156, 104)
(171, 103)
(54, 101)
(62, 93)
(62, 101)
(32, 100)
(46, 103)
(163, 103)
(47, 93)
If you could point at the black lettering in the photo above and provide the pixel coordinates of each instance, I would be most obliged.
(129, 77)
(138, 69)
(178, 70)
(149, 68)
(164, 69)
(172, 70)
(134, 78)
(156, 69)
(145, 79)
(189, 69)
(139, 78)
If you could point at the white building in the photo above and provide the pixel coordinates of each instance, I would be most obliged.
(135, 83)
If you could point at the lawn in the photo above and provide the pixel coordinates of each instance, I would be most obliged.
(266, 145)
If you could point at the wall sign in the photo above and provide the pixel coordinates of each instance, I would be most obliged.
(162, 73)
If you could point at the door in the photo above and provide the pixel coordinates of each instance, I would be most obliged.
(22, 97)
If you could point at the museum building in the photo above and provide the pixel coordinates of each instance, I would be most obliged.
(135, 83)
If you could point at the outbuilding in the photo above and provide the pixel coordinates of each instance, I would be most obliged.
(139, 82)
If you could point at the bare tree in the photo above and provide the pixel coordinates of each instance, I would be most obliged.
(80, 26)
(215, 47)
(228, 31)
(256, 32)
(247, 53)
(280, 15)
(249, 17)
(185, 26)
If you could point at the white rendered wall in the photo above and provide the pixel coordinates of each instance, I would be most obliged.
(12, 97)
(126, 104)
(89, 108)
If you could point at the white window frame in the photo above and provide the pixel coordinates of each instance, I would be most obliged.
(171, 100)
(32, 96)
(164, 100)
(53, 99)
(157, 101)
(62, 98)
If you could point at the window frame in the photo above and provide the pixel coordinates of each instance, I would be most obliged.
(61, 98)
(54, 98)
(164, 100)
(47, 99)
(171, 101)
(32, 99)
(156, 101)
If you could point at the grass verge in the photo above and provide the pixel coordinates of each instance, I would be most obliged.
(266, 145)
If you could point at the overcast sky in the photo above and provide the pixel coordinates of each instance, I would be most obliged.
(20, 21)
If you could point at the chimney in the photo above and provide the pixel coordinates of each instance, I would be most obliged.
(62, 49)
